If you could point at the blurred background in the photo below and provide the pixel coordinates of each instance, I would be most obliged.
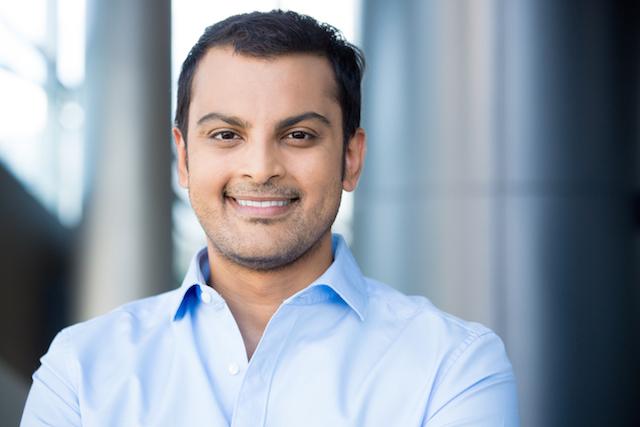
(502, 178)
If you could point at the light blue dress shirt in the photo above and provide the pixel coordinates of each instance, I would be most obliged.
(344, 351)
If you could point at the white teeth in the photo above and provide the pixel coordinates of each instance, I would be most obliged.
(263, 204)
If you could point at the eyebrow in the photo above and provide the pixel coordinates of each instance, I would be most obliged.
(309, 115)
(233, 121)
(284, 123)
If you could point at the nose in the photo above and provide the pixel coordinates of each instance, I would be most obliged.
(262, 161)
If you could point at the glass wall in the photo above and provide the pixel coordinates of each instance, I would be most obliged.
(41, 112)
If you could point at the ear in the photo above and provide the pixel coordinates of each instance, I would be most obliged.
(354, 160)
(181, 154)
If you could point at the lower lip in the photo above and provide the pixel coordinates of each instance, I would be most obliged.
(258, 212)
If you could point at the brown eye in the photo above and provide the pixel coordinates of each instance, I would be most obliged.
(225, 134)
(299, 135)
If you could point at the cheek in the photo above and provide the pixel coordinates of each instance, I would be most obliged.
(320, 165)
(318, 179)
(207, 173)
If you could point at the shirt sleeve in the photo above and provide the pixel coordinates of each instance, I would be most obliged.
(478, 389)
(53, 400)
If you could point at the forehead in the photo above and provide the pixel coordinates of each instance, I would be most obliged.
(231, 82)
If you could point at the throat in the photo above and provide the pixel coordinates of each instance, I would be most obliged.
(251, 321)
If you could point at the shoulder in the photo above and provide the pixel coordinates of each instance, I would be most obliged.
(97, 354)
(418, 312)
(434, 336)
(460, 363)
(115, 332)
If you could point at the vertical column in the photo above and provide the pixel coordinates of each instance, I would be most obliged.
(571, 94)
(126, 245)
(424, 212)
(499, 182)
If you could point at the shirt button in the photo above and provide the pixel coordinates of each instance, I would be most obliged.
(205, 297)
(233, 368)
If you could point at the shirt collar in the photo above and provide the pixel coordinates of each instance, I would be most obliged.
(343, 277)
(193, 283)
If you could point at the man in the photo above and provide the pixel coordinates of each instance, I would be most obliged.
(274, 325)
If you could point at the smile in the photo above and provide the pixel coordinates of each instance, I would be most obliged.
(262, 208)
(263, 204)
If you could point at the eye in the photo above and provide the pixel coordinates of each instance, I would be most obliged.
(224, 135)
(300, 137)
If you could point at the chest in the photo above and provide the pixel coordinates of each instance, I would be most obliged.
(329, 373)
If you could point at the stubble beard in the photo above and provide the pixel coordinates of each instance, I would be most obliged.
(299, 240)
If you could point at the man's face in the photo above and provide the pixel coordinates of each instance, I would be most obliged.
(264, 158)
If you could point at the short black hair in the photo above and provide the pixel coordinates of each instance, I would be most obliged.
(275, 33)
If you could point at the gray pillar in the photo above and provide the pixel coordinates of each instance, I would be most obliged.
(126, 246)
(571, 104)
(499, 183)
(424, 212)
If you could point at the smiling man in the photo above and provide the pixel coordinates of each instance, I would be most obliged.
(274, 324)
(263, 168)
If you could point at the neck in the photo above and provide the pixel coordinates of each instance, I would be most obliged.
(254, 296)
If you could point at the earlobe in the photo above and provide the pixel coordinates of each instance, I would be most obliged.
(354, 160)
(181, 157)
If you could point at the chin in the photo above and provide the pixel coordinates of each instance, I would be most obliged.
(262, 253)
(267, 261)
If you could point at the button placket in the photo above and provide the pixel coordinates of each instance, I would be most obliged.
(251, 406)
(233, 368)
(217, 329)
